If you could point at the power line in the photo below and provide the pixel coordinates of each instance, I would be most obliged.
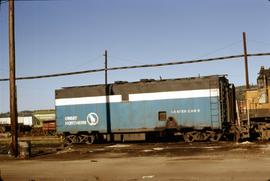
(91, 60)
(260, 41)
(126, 59)
(139, 66)
(222, 48)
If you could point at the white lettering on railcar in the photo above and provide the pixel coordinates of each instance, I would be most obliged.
(71, 118)
(184, 111)
(70, 123)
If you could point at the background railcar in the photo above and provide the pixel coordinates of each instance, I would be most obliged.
(198, 108)
(25, 123)
(34, 123)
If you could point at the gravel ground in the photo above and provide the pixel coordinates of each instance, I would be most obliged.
(142, 161)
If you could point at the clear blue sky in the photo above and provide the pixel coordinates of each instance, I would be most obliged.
(71, 35)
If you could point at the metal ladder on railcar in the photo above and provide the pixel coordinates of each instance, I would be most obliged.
(214, 103)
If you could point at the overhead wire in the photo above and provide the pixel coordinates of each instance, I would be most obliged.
(87, 62)
(139, 66)
(259, 41)
(125, 60)
(221, 48)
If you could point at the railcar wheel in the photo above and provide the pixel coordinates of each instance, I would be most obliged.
(189, 137)
(202, 136)
(70, 139)
(215, 137)
(82, 138)
(90, 139)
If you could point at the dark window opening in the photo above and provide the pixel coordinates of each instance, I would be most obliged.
(162, 116)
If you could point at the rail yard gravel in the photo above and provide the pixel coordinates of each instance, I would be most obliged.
(130, 161)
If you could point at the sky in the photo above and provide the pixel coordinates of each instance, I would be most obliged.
(57, 36)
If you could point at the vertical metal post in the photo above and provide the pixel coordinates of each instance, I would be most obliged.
(12, 81)
(246, 59)
(107, 93)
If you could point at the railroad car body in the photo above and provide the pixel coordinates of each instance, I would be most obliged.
(44, 123)
(35, 123)
(197, 108)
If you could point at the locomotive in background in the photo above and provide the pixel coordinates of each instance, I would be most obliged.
(254, 108)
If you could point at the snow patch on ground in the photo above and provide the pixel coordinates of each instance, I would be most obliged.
(246, 143)
(147, 150)
(118, 146)
(158, 149)
(67, 150)
(148, 177)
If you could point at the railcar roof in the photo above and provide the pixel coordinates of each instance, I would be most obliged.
(149, 80)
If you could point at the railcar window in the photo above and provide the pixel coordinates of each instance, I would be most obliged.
(162, 116)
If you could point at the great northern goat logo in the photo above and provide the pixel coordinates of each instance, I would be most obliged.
(92, 119)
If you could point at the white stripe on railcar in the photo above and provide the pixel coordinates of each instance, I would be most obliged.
(140, 97)
(174, 95)
(87, 100)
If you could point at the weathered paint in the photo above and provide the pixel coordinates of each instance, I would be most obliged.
(196, 112)
(135, 106)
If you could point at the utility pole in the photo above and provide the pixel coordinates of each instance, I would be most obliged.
(12, 83)
(107, 93)
(246, 59)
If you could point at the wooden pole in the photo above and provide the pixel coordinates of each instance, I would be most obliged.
(246, 59)
(12, 83)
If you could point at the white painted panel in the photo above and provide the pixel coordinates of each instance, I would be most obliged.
(4, 120)
(87, 100)
(27, 121)
(174, 95)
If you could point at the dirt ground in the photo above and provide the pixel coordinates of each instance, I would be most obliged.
(141, 161)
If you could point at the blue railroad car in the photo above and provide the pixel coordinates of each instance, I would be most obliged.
(198, 108)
